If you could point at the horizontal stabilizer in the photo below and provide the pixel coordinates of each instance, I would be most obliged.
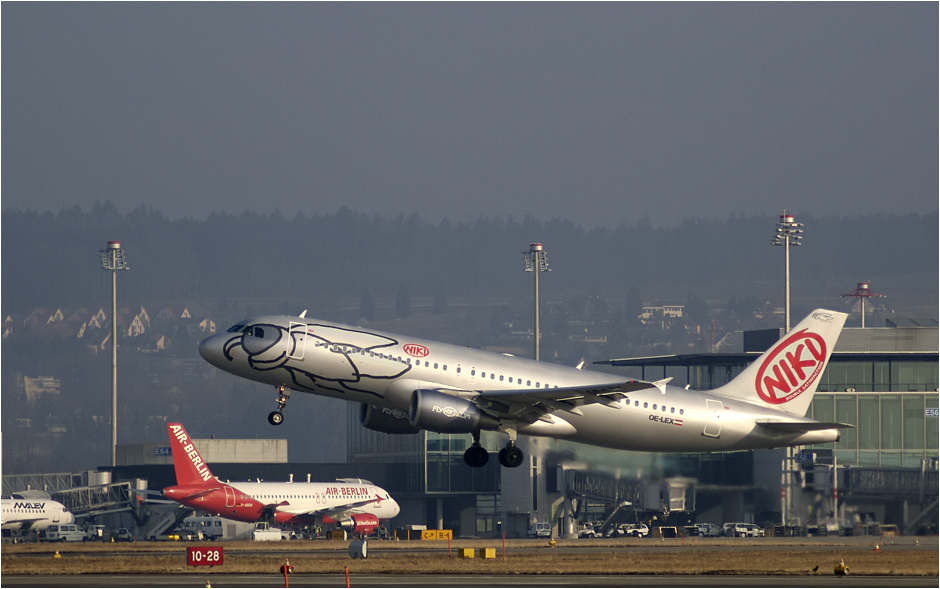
(199, 493)
(800, 426)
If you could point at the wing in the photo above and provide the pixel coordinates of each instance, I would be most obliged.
(26, 524)
(331, 512)
(534, 404)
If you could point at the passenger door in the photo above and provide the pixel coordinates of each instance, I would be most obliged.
(712, 418)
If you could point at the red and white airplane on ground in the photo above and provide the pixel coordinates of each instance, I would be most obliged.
(352, 504)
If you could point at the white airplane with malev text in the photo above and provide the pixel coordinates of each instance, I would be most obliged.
(406, 384)
(352, 504)
(33, 513)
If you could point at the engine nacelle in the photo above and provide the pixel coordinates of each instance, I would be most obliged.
(448, 414)
(359, 523)
(385, 420)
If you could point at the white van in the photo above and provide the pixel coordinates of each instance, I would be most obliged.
(64, 533)
(540, 530)
(203, 528)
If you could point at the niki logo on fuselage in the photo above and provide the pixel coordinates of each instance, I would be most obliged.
(319, 356)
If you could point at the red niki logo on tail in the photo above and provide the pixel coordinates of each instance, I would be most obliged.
(791, 368)
(195, 470)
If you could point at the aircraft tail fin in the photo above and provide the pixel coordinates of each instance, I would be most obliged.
(786, 376)
(188, 463)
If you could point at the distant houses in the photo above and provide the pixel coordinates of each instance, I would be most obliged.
(93, 327)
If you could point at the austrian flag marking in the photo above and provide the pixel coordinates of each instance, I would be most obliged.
(791, 368)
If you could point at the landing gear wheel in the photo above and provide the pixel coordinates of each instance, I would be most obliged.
(476, 456)
(275, 418)
(511, 457)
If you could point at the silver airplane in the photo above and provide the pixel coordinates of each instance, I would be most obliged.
(406, 384)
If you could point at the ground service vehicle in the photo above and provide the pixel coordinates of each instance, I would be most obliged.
(636, 530)
(203, 528)
(540, 530)
(708, 530)
(265, 532)
(94, 533)
(64, 533)
(122, 535)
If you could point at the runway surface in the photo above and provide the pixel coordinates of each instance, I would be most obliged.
(395, 581)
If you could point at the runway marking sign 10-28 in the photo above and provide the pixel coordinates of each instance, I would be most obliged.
(203, 556)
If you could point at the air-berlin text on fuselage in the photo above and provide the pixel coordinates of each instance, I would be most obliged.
(191, 452)
(791, 367)
(347, 492)
(416, 350)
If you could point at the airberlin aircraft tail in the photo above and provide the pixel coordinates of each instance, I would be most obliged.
(786, 376)
(190, 469)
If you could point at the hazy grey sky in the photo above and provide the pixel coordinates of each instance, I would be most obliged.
(597, 113)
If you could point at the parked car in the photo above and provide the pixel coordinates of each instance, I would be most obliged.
(540, 530)
(747, 531)
(754, 531)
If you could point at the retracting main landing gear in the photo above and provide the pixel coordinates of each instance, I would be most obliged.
(511, 456)
(277, 417)
(476, 455)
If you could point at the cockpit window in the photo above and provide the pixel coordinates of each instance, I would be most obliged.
(257, 332)
(235, 328)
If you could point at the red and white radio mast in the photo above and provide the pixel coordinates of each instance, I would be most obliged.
(862, 292)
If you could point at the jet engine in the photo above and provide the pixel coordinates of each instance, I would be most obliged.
(385, 420)
(359, 523)
(448, 414)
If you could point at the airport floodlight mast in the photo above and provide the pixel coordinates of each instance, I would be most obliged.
(535, 262)
(112, 259)
(788, 233)
(862, 292)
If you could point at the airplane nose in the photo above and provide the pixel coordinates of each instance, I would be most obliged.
(211, 350)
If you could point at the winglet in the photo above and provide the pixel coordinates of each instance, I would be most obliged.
(661, 384)
(189, 466)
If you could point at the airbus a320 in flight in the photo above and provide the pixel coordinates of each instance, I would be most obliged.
(352, 504)
(406, 384)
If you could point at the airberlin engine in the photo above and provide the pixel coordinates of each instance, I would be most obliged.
(385, 420)
(447, 414)
(359, 523)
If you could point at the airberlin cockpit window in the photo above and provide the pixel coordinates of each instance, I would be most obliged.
(236, 328)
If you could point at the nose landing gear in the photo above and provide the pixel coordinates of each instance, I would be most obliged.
(277, 417)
